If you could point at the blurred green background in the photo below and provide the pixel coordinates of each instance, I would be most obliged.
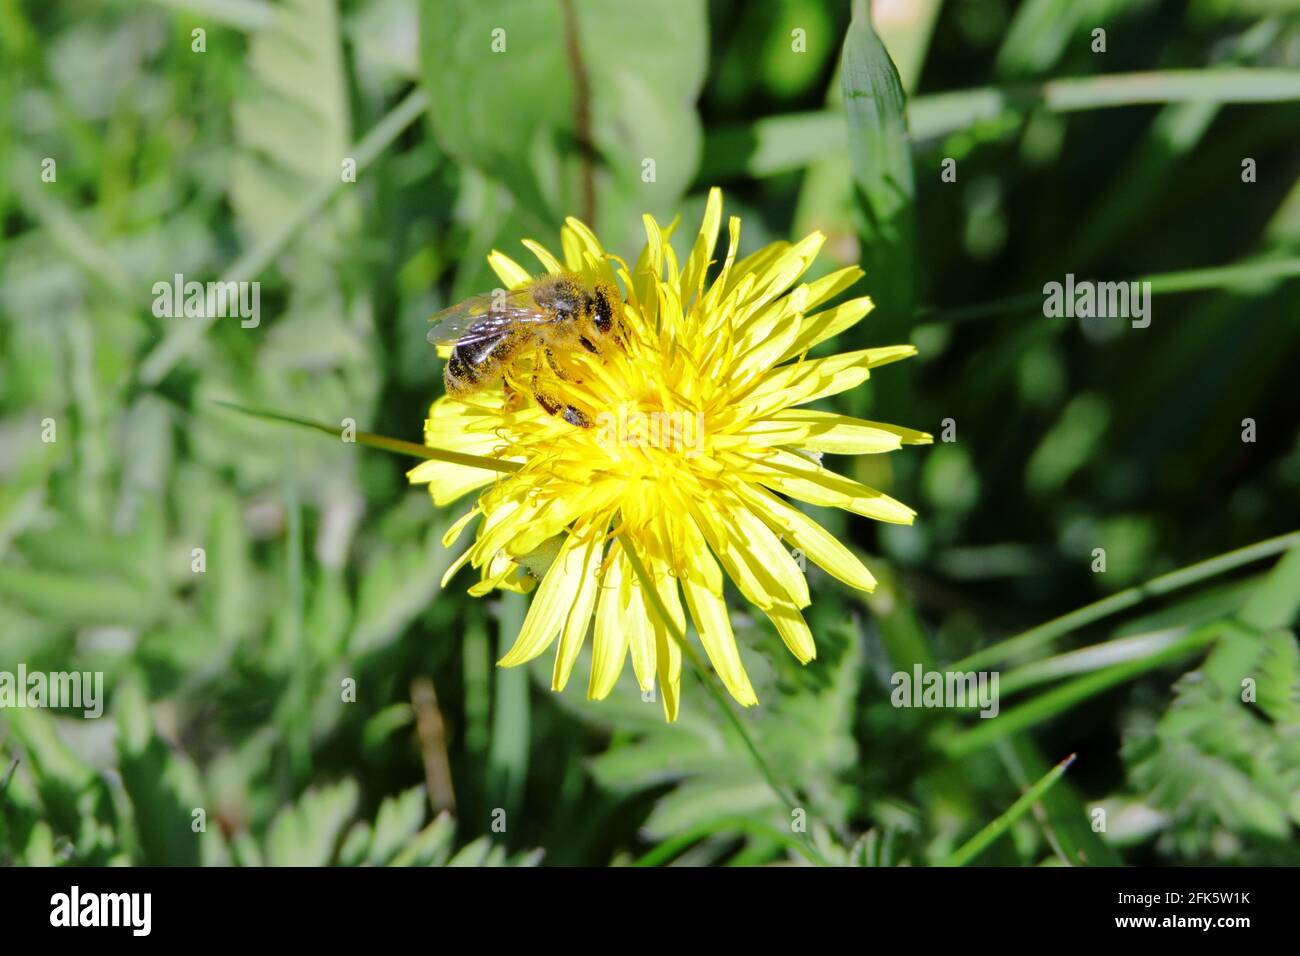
(226, 688)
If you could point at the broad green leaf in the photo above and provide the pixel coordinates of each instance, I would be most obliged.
(508, 751)
(355, 845)
(1279, 680)
(880, 159)
(472, 854)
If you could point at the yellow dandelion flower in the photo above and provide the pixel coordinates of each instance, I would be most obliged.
(696, 435)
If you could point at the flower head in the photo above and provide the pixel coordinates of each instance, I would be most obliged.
(696, 433)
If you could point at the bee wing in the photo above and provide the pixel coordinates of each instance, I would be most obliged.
(486, 316)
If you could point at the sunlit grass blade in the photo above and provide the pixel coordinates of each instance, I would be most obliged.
(1028, 641)
(382, 442)
(980, 841)
(1089, 659)
(1057, 701)
(1064, 818)
(778, 144)
(944, 112)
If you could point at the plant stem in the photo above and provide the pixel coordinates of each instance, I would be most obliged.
(383, 442)
(977, 844)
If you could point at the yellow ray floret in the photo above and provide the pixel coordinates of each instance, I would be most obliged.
(701, 435)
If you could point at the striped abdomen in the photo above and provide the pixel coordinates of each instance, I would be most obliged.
(480, 362)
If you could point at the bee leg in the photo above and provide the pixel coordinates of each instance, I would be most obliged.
(573, 416)
(514, 398)
(549, 405)
(555, 366)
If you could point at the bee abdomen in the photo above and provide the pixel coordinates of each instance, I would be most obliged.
(461, 374)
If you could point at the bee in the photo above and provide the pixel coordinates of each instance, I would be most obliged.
(507, 336)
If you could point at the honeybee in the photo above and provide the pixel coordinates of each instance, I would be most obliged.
(494, 335)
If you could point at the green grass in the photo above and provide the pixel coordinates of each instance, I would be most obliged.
(273, 707)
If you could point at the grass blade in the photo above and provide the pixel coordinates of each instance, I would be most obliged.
(1057, 701)
(980, 841)
(781, 143)
(1036, 637)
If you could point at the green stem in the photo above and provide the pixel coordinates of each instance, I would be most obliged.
(1036, 637)
(980, 841)
(382, 442)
